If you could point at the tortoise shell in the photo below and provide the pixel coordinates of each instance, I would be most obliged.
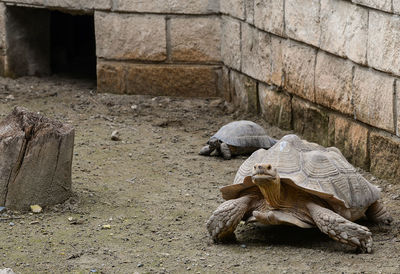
(324, 172)
(244, 134)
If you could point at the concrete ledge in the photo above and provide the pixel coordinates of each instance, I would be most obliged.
(168, 6)
(158, 79)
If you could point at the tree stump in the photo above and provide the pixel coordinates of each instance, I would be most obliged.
(35, 160)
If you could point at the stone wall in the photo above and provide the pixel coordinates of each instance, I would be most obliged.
(328, 69)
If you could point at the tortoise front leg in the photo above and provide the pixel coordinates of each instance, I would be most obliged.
(227, 216)
(225, 151)
(341, 229)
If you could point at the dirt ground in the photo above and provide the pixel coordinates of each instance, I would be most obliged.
(140, 204)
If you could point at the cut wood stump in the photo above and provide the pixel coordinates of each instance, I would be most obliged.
(35, 160)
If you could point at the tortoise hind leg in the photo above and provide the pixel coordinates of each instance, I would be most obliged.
(378, 214)
(341, 229)
(227, 216)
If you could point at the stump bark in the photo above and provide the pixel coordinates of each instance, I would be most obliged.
(35, 160)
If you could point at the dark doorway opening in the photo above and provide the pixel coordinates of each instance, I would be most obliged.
(72, 45)
(43, 42)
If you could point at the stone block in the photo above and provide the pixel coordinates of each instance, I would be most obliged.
(344, 29)
(261, 55)
(249, 8)
(130, 36)
(230, 44)
(351, 138)
(111, 77)
(396, 6)
(333, 82)
(383, 41)
(384, 153)
(302, 21)
(268, 16)
(243, 92)
(275, 106)
(2, 26)
(196, 39)
(373, 98)
(226, 92)
(310, 121)
(28, 42)
(2, 64)
(168, 6)
(299, 68)
(173, 80)
(385, 5)
(234, 8)
(397, 90)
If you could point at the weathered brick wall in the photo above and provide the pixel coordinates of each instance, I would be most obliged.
(329, 69)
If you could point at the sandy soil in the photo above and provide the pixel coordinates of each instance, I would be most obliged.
(140, 204)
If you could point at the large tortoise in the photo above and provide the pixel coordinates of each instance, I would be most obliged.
(238, 138)
(303, 184)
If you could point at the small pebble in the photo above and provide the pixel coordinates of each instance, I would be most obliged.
(243, 246)
(11, 224)
(115, 136)
(139, 265)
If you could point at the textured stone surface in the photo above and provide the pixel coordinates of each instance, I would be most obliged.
(111, 77)
(28, 42)
(275, 106)
(173, 80)
(230, 44)
(130, 36)
(168, 6)
(234, 8)
(396, 6)
(384, 153)
(351, 138)
(383, 42)
(344, 29)
(385, 5)
(249, 8)
(310, 121)
(261, 55)
(196, 39)
(243, 92)
(298, 67)
(268, 15)
(333, 82)
(303, 20)
(373, 98)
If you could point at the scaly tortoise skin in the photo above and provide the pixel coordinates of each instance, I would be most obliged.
(238, 138)
(303, 184)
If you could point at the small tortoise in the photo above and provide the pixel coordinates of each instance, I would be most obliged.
(238, 138)
(303, 184)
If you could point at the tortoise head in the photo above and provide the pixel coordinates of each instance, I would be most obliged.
(214, 143)
(267, 179)
(264, 174)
